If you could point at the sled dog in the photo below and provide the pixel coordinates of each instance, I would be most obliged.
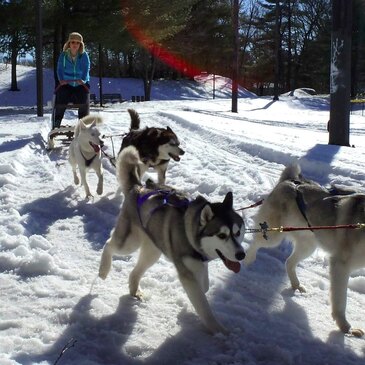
(190, 233)
(299, 202)
(85, 152)
(156, 146)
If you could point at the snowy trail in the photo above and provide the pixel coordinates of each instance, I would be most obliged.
(52, 239)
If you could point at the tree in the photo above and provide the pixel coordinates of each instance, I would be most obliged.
(152, 24)
(277, 48)
(358, 49)
(16, 37)
(304, 31)
(249, 12)
(235, 29)
(340, 72)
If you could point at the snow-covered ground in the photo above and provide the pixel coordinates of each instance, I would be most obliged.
(51, 238)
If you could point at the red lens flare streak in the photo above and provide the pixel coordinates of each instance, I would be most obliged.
(158, 51)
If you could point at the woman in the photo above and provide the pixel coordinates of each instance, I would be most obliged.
(73, 69)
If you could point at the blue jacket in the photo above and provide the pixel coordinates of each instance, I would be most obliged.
(67, 69)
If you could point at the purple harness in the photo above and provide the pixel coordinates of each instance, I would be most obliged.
(166, 195)
(166, 200)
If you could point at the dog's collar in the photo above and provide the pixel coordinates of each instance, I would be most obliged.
(200, 256)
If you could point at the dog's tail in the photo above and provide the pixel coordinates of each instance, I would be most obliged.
(135, 121)
(129, 169)
(88, 120)
(291, 172)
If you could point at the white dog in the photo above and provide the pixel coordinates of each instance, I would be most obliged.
(85, 152)
(296, 201)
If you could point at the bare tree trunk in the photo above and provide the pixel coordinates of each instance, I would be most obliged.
(14, 56)
(149, 72)
(235, 25)
(101, 70)
(340, 78)
(289, 66)
(277, 50)
(39, 58)
(57, 35)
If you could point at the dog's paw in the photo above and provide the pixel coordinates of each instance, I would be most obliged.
(104, 271)
(356, 332)
(89, 196)
(138, 295)
(103, 274)
(301, 288)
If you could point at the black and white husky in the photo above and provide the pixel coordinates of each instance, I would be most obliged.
(160, 220)
(296, 201)
(156, 146)
(85, 152)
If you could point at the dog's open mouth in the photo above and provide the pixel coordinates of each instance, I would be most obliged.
(231, 265)
(174, 157)
(95, 147)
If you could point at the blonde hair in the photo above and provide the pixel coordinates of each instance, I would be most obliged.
(74, 36)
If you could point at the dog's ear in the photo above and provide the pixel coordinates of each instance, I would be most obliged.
(93, 124)
(82, 124)
(206, 215)
(168, 129)
(228, 200)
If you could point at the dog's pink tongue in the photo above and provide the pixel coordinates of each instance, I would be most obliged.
(232, 265)
(95, 147)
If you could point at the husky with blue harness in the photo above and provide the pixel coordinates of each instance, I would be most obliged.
(191, 232)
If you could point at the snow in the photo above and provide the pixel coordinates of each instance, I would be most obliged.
(51, 237)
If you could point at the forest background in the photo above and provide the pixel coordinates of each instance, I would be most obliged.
(175, 39)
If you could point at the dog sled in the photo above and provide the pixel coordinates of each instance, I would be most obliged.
(66, 132)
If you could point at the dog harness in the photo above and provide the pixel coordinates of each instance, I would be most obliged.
(166, 200)
(167, 196)
(301, 202)
(88, 161)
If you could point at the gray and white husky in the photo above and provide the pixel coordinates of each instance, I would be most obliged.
(85, 152)
(157, 219)
(296, 201)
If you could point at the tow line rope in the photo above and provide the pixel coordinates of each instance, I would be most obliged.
(112, 159)
(264, 228)
(252, 205)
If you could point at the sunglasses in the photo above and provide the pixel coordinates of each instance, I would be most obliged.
(75, 42)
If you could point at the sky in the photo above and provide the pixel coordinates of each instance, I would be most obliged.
(54, 308)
